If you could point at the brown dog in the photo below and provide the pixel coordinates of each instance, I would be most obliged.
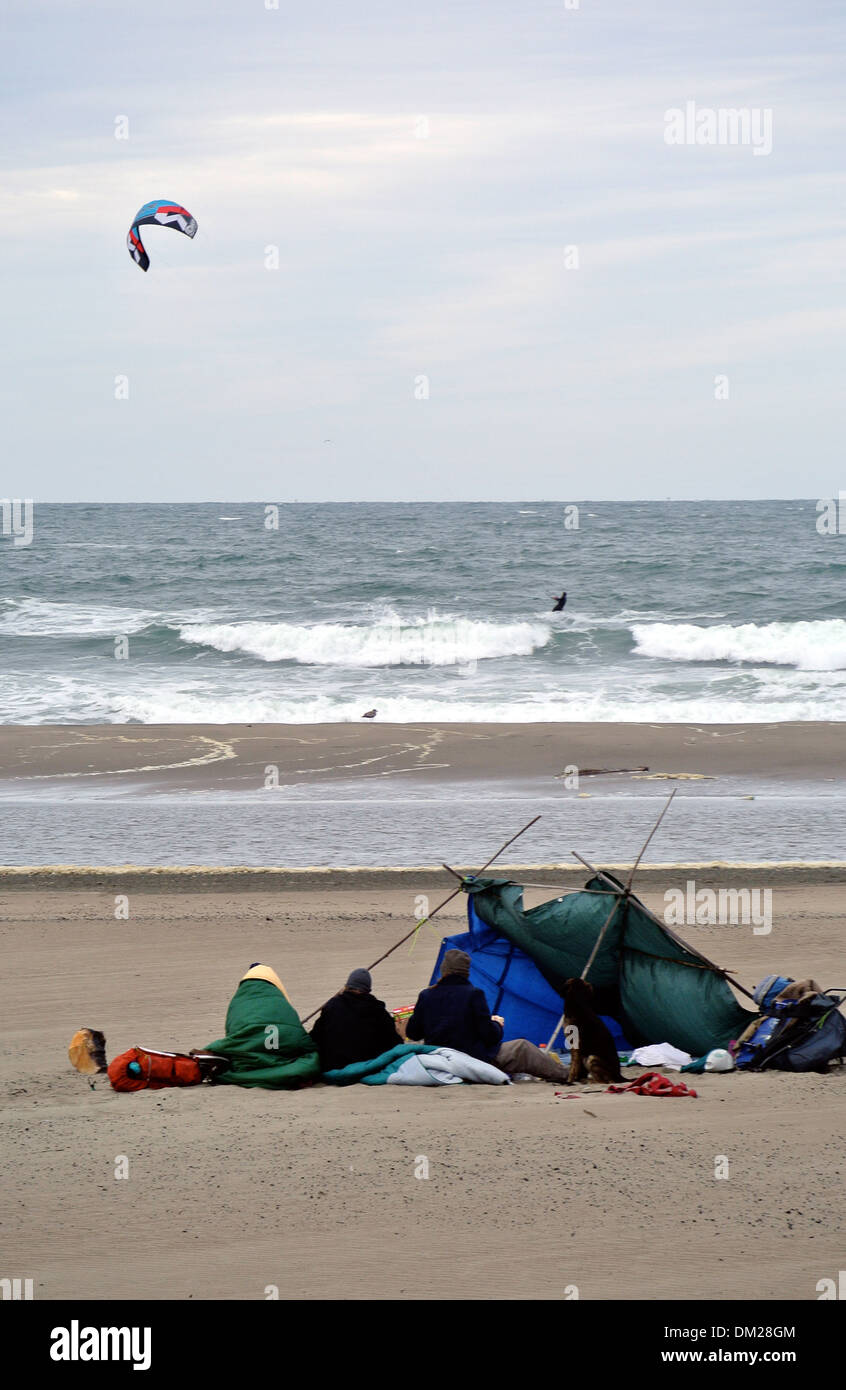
(593, 1056)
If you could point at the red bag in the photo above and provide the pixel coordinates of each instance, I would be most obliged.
(158, 1069)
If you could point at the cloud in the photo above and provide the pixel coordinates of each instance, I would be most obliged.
(421, 173)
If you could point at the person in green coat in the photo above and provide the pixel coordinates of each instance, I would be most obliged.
(265, 1043)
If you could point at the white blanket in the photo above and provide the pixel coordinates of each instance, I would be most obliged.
(660, 1055)
(446, 1067)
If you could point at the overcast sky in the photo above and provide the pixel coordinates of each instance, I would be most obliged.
(422, 169)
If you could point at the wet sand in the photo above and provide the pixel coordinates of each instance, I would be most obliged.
(236, 757)
(232, 1193)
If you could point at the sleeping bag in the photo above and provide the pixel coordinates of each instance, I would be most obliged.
(265, 1043)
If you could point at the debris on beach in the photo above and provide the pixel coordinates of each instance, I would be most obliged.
(602, 771)
(676, 777)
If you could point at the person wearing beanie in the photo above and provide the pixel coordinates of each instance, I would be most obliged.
(353, 1026)
(454, 1013)
(360, 980)
(456, 963)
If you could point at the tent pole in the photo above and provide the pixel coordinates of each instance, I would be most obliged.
(416, 927)
(424, 920)
(718, 969)
(598, 941)
(615, 887)
(502, 850)
(619, 897)
(648, 838)
(628, 888)
(559, 1025)
(634, 868)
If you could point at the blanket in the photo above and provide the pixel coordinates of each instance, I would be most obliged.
(416, 1064)
(376, 1070)
(446, 1067)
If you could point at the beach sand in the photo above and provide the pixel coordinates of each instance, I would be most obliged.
(232, 1194)
(235, 757)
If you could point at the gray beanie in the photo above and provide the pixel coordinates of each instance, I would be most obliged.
(456, 963)
(360, 979)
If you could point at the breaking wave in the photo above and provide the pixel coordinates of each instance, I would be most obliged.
(435, 640)
(159, 696)
(806, 646)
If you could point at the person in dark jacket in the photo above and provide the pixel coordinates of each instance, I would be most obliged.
(454, 1013)
(353, 1026)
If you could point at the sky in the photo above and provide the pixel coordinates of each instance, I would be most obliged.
(495, 278)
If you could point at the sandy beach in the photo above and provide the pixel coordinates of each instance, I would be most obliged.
(314, 1193)
(235, 757)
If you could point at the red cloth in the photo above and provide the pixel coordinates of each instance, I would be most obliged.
(652, 1083)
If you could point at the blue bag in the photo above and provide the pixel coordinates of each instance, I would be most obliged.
(794, 1035)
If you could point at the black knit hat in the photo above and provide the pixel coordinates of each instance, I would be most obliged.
(360, 979)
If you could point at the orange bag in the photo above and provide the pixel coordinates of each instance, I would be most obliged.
(158, 1070)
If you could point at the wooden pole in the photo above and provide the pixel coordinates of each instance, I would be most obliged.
(615, 887)
(428, 918)
(598, 941)
(648, 838)
(718, 969)
(620, 895)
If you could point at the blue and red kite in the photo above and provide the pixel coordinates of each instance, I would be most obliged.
(163, 213)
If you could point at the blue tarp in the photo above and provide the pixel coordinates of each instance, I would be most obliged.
(512, 984)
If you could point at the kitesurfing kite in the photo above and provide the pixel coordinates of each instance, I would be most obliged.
(163, 213)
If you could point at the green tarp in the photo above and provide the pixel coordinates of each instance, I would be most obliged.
(668, 991)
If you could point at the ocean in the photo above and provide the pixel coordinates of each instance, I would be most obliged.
(710, 612)
(704, 612)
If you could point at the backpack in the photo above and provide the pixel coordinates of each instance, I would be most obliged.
(157, 1069)
(810, 1044)
(794, 1034)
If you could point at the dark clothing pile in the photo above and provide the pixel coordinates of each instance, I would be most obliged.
(353, 1027)
(454, 1013)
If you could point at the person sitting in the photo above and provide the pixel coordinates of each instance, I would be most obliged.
(454, 1013)
(353, 1026)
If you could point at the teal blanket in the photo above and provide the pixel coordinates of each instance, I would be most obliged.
(376, 1070)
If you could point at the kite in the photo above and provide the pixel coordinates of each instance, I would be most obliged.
(160, 213)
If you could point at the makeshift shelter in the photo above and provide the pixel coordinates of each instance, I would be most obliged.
(650, 985)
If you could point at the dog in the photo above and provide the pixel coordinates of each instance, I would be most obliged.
(593, 1055)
